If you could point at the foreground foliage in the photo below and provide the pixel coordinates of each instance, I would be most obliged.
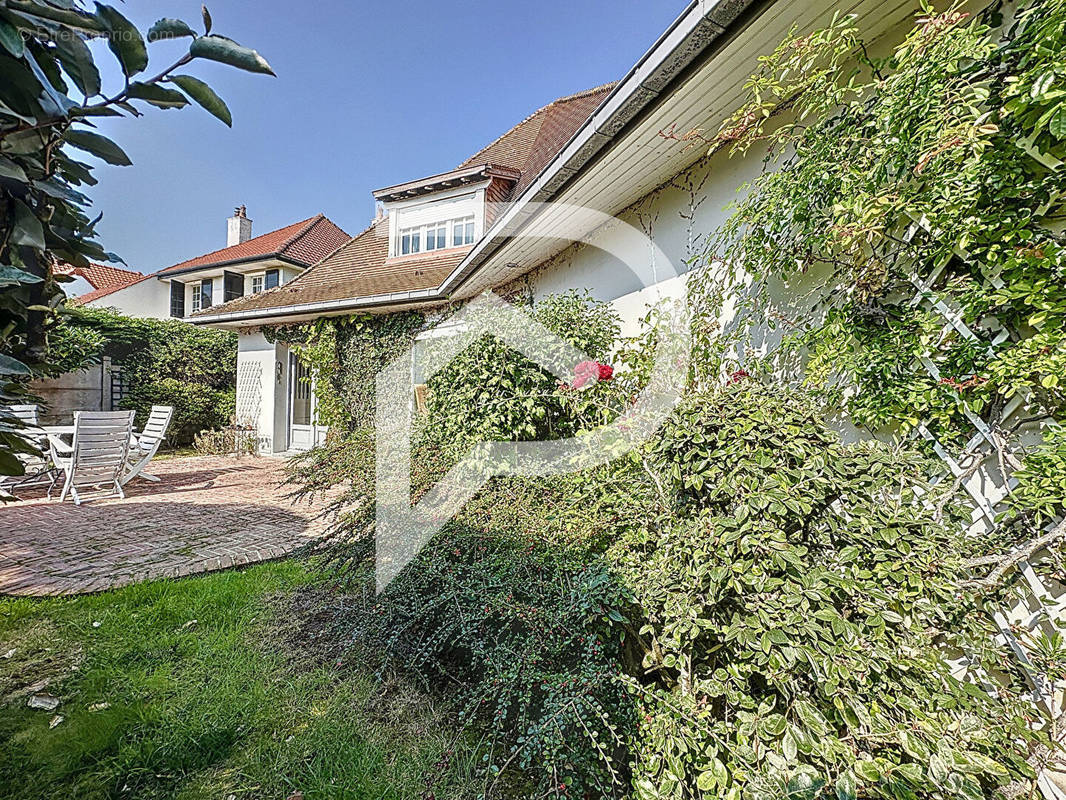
(749, 608)
(50, 94)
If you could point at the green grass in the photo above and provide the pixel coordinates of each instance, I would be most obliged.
(233, 704)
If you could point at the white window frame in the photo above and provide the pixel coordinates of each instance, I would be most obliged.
(419, 236)
(258, 276)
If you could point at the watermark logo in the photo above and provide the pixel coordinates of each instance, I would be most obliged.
(403, 529)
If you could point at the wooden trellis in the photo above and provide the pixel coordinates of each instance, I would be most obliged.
(985, 476)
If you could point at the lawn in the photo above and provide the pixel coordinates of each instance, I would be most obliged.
(204, 688)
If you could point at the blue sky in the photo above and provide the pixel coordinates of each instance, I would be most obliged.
(368, 95)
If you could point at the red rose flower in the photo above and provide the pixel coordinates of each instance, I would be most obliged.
(590, 372)
(737, 377)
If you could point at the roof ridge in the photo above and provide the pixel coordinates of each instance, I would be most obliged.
(585, 93)
(564, 99)
(307, 226)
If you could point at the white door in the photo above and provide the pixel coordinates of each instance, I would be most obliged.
(304, 432)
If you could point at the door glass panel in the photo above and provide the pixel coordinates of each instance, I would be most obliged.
(301, 395)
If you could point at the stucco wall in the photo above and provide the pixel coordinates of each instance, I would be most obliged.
(262, 381)
(148, 299)
(678, 218)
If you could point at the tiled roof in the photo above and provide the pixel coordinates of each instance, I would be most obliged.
(361, 268)
(305, 242)
(101, 276)
(536, 140)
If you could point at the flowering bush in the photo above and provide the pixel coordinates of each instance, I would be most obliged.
(594, 371)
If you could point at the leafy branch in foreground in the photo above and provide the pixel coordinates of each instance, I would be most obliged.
(50, 93)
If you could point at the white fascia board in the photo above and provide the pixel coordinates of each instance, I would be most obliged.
(352, 303)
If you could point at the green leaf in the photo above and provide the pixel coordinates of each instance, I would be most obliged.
(10, 465)
(168, 28)
(1057, 123)
(68, 17)
(158, 96)
(204, 96)
(78, 62)
(846, 787)
(28, 230)
(9, 169)
(227, 51)
(124, 40)
(10, 276)
(867, 770)
(11, 39)
(99, 146)
(12, 366)
(207, 18)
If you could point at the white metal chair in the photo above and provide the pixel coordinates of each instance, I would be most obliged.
(96, 458)
(143, 446)
(25, 421)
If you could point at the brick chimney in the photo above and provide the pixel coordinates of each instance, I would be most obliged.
(238, 227)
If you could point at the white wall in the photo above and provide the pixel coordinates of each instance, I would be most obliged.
(262, 389)
(678, 218)
(148, 299)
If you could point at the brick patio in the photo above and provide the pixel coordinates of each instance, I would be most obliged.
(207, 513)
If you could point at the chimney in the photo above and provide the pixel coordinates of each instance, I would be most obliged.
(238, 227)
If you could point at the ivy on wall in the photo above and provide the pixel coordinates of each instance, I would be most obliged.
(921, 189)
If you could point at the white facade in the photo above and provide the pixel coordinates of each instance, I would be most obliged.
(147, 299)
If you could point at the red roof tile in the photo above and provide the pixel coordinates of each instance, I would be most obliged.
(305, 242)
(101, 276)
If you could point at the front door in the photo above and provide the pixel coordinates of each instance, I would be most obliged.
(304, 430)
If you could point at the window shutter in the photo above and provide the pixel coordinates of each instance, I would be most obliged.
(177, 299)
(271, 276)
(232, 286)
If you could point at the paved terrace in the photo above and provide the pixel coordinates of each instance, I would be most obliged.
(207, 513)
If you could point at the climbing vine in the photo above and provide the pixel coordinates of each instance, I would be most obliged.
(900, 196)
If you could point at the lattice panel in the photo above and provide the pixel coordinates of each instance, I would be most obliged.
(986, 480)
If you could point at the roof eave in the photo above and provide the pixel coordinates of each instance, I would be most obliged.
(445, 180)
(267, 315)
(680, 48)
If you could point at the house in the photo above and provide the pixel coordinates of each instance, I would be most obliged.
(450, 236)
(246, 265)
(95, 280)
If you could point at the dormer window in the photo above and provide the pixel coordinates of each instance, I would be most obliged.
(436, 236)
(410, 241)
(463, 232)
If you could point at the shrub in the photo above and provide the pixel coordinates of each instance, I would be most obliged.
(749, 609)
(492, 392)
(799, 606)
(164, 362)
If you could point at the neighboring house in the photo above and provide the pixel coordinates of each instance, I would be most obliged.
(609, 149)
(247, 265)
(95, 280)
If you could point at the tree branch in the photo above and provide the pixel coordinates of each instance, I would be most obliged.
(1006, 561)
